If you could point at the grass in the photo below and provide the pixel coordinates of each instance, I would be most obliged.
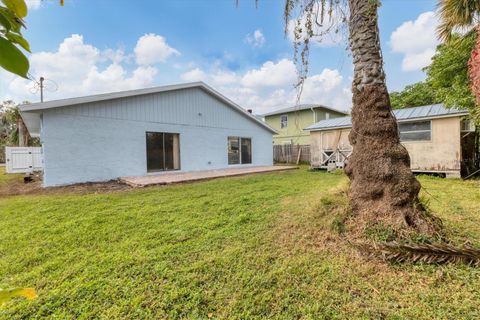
(238, 248)
(8, 178)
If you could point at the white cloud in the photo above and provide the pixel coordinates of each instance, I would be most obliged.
(271, 74)
(152, 49)
(328, 33)
(33, 4)
(271, 86)
(416, 40)
(257, 39)
(79, 69)
(194, 75)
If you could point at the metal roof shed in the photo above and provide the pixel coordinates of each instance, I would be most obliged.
(437, 139)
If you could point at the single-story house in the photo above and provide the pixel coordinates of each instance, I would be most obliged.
(185, 127)
(289, 122)
(439, 140)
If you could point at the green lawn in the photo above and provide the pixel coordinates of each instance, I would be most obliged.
(238, 248)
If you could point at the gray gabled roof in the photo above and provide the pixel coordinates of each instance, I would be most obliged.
(32, 107)
(403, 115)
(303, 107)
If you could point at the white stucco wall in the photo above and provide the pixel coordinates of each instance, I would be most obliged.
(106, 140)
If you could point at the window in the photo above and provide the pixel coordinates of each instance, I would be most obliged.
(415, 131)
(163, 151)
(467, 125)
(283, 121)
(239, 150)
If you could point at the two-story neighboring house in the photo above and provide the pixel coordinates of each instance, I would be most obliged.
(290, 122)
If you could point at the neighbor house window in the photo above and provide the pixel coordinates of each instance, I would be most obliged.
(163, 151)
(415, 131)
(239, 150)
(283, 121)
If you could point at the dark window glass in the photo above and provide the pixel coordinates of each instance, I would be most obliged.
(233, 150)
(415, 131)
(246, 150)
(283, 121)
(154, 151)
(239, 150)
(414, 126)
(163, 151)
(415, 136)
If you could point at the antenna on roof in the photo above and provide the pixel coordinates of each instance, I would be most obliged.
(43, 84)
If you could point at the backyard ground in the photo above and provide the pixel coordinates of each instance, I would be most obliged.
(250, 247)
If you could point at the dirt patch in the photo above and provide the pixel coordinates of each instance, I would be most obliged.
(18, 187)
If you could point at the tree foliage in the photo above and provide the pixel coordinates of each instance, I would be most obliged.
(448, 74)
(12, 58)
(414, 95)
(11, 123)
(464, 15)
(454, 14)
(447, 80)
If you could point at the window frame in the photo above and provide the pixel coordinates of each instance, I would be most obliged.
(415, 131)
(153, 171)
(282, 125)
(240, 158)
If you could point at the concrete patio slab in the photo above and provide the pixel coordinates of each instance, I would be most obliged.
(178, 177)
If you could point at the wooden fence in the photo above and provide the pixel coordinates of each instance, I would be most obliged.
(291, 153)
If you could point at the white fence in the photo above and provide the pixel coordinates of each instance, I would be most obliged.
(23, 159)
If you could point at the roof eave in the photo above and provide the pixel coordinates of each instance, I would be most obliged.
(450, 115)
(285, 110)
(38, 107)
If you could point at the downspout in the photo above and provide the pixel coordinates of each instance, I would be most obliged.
(314, 115)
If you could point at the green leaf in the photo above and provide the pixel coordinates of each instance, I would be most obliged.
(12, 59)
(17, 6)
(17, 38)
(4, 21)
(15, 22)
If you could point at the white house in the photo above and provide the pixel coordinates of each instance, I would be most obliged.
(186, 127)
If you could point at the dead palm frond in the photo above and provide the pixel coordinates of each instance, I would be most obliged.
(440, 253)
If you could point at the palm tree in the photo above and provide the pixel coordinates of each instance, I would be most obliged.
(383, 189)
(463, 14)
(13, 122)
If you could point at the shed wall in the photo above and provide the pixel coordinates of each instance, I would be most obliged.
(442, 153)
(106, 140)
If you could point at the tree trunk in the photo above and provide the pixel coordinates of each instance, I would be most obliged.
(22, 133)
(383, 189)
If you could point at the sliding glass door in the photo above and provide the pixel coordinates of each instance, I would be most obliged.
(239, 150)
(163, 151)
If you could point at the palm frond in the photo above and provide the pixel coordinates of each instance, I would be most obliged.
(440, 253)
(457, 14)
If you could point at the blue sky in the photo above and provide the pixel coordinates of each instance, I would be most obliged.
(89, 47)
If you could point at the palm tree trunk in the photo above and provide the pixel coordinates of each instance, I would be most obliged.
(22, 133)
(383, 188)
